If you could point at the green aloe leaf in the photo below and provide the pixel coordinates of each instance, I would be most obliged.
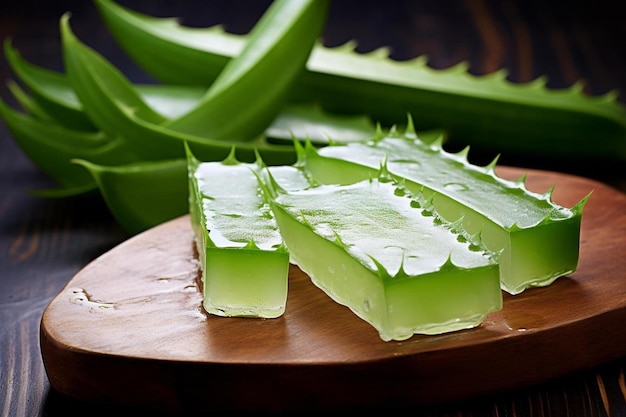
(134, 192)
(28, 103)
(261, 74)
(117, 109)
(49, 88)
(487, 111)
(51, 147)
(57, 100)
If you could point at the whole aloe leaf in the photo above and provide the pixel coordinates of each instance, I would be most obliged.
(51, 90)
(261, 74)
(117, 109)
(487, 111)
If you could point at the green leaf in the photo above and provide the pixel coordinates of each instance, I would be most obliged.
(488, 112)
(260, 75)
(49, 89)
(51, 147)
(133, 192)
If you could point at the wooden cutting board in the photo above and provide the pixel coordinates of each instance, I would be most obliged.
(129, 329)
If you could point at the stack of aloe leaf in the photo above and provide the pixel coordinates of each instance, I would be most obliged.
(90, 128)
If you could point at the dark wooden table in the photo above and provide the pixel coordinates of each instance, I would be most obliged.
(44, 242)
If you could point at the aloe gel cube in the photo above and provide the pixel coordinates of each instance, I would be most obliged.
(538, 239)
(373, 248)
(244, 262)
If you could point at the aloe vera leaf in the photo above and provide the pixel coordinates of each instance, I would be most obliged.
(90, 73)
(539, 239)
(273, 56)
(53, 91)
(387, 257)
(27, 103)
(302, 120)
(487, 112)
(135, 198)
(48, 88)
(51, 147)
(150, 140)
(244, 262)
(156, 45)
(284, 33)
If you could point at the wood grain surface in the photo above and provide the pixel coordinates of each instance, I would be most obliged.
(129, 328)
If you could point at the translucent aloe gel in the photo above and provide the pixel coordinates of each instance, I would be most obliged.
(538, 239)
(244, 262)
(379, 251)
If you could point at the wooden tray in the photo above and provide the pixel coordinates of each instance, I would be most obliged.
(129, 329)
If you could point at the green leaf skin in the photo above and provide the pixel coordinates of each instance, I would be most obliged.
(261, 75)
(247, 77)
(487, 112)
(51, 147)
(116, 108)
(134, 192)
(302, 120)
(539, 239)
(48, 88)
(244, 261)
(388, 258)
(26, 102)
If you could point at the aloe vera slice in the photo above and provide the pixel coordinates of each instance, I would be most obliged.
(244, 262)
(539, 239)
(484, 111)
(388, 257)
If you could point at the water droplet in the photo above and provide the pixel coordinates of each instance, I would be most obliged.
(82, 298)
(456, 186)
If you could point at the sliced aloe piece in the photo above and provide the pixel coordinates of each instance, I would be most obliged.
(539, 239)
(484, 111)
(388, 257)
(244, 262)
